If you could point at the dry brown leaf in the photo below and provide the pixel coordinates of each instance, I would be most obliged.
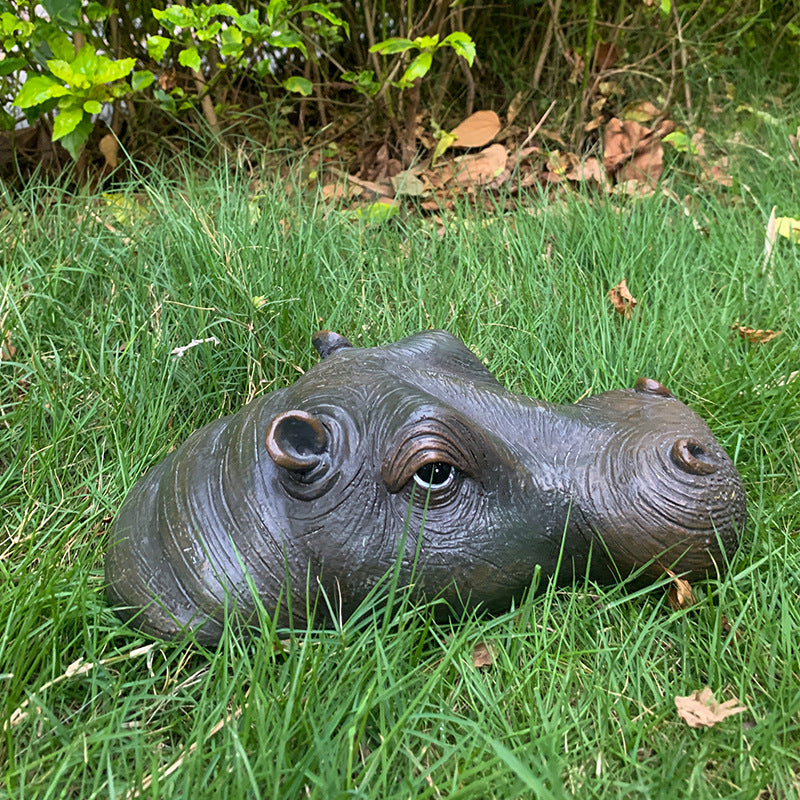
(482, 655)
(407, 184)
(632, 152)
(478, 168)
(7, 350)
(589, 170)
(680, 594)
(109, 147)
(606, 54)
(701, 709)
(755, 335)
(476, 130)
(622, 300)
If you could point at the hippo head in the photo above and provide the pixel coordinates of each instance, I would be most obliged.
(416, 448)
(412, 457)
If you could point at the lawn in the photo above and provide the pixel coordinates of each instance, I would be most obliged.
(98, 290)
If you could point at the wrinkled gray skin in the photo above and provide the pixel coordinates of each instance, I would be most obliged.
(314, 482)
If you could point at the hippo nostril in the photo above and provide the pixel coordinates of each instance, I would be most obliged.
(692, 457)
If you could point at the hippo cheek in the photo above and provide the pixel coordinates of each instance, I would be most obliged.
(675, 500)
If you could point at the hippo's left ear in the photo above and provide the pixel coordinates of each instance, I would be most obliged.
(297, 440)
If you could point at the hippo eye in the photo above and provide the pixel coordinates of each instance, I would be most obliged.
(435, 475)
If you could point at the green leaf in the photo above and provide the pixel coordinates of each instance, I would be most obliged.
(231, 42)
(36, 90)
(681, 141)
(325, 12)
(64, 72)
(141, 79)
(96, 11)
(275, 10)
(463, 45)
(157, 46)
(179, 16)
(190, 58)
(7, 122)
(223, 9)
(61, 46)
(249, 23)
(288, 39)
(92, 107)
(66, 121)
(74, 141)
(427, 42)
(300, 85)
(389, 46)
(63, 12)
(9, 24)
(418, 68)
(262, 68)
(9, 65)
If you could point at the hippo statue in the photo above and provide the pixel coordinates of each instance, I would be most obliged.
(412, 456)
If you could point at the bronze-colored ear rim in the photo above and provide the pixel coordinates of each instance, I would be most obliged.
(296, 440)
(326, 343)
(650, 386)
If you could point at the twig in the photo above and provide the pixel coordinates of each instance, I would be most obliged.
(538, 125)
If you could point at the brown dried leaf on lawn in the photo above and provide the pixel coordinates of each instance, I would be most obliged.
(482, 655)
(407, 184)
(7, 350)
(633, 152)
(589, 170)
(680, 594)
(478, 168)
(755, 335)
(477, 130)
(606, 54)
(622, 300)
(701, 709)
(109, 147)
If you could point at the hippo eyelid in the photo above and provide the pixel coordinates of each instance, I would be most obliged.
(430, 440)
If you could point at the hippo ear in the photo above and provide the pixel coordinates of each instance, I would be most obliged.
(297, 440)
(649, 386)
(327, 343)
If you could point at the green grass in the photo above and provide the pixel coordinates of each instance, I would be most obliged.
(97, 291)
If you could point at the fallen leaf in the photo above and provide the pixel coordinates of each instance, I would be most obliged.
(7, 350)
(109, 147)
(478, 168)
(622, 300)
(606, 54)
(701, 709)
(680, 594)
(788, 227)
(476, 130)
(755, 335)
(589, 170)
(633, 152)
(406, 183)
(482, 655)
